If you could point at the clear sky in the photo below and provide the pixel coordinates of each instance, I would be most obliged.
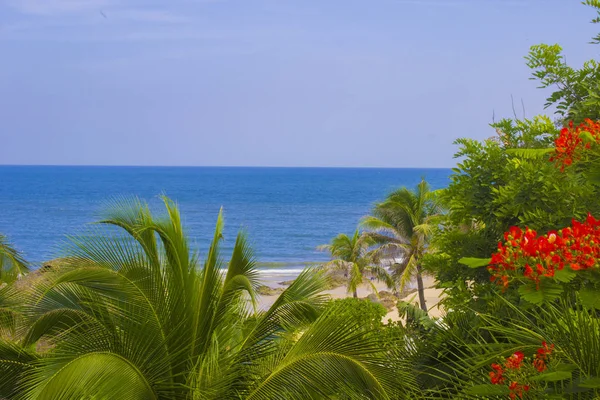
(379, 83)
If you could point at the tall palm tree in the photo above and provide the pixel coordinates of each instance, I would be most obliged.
(404, 222)
(136, 315)
(353, 255)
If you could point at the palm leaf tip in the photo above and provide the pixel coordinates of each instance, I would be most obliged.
(12, 263)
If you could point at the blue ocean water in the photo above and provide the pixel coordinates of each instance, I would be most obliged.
(287, 212)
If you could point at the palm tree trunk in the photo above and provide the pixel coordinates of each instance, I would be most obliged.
(421, 289)
(355, 294)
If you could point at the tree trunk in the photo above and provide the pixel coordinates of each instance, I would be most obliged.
(355, 294)
(421, 289)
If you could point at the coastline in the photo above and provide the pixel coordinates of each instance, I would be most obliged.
(432, 295)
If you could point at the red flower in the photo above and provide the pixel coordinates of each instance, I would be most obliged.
(545, 349)
(516, 390)
(576, 267)
(570, 147)
(515, 361)
(539, 364)
(496, 376)
(535, 257)
(541, 356)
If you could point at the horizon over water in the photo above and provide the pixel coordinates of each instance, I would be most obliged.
(286, 211)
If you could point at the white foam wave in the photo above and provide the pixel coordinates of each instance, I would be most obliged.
(280, 271)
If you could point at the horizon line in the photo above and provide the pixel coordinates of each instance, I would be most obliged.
(209, 166)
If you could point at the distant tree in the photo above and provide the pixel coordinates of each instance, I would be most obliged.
(404, 222)
(353, 255)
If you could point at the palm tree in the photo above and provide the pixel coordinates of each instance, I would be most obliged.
(352, 255)
(136, 316)
(404, 222)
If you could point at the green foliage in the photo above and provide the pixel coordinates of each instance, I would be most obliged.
(493, 188)
(353, 255)
(367, 313)
(577, 94)
(12, 263)
(589, 298)
(473, 262)
(573, 368)
(136, 315)
(402, 225)
(537, 133)
(508, 180)
(546, 292)
(487, 389)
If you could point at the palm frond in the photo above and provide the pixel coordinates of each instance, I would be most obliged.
(334, 356)
(96, 375)
(12, 263)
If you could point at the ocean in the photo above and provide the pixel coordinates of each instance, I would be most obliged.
(287, 212)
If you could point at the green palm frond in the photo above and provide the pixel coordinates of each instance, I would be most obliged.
(299, 304)
(132, 313)
(92, 375)
(375, 224)
(455, 354)
(355, 256)
(12, 263)
(405, 273)
(334, 356)
(15, 362)
(383, 275)
(405, 221)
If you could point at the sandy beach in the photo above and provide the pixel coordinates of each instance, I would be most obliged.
(432, 296)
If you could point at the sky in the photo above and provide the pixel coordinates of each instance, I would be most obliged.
(343, 83)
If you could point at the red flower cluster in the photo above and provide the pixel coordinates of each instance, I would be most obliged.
(496, 376)
(515, 361)
(569, 145)
(540, 358)
(524, 253)
(513, 369)
(516, 389)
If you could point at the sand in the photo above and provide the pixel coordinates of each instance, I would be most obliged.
(432, 297)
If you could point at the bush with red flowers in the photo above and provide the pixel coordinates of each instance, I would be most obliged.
(534, 257)
(574, 141)
(519, 376)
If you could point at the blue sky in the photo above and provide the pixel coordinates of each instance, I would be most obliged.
(378, 83)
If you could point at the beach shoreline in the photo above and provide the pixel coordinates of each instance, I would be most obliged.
(274, 286)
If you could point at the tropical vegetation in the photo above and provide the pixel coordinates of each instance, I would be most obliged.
(135, 315)
(354, 256)
(403, 224)
(131, 312)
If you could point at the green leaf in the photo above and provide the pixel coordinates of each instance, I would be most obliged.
(552, 376)
(591, 383)
(593, 173)
(94, 375)
(546, 292)
(565, 367)
(564, 275)
(587, 137)
(530, 154)
(488, 390)
(474, 262)
(590, 298)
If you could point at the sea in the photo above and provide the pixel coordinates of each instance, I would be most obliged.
(287, 212)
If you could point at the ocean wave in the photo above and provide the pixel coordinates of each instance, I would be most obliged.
(281, 271)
